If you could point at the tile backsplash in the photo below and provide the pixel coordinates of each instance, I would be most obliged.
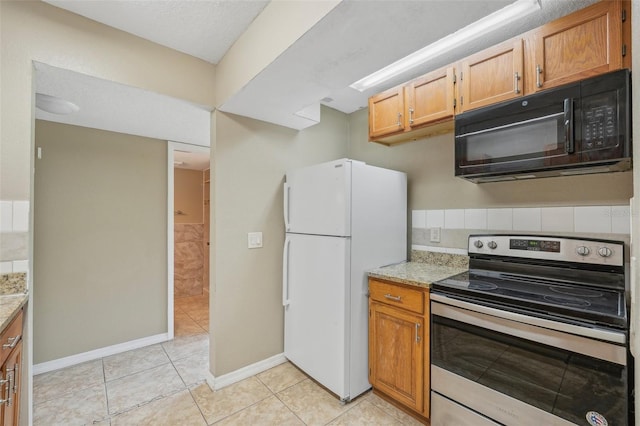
(457, 224)
(589, 219)
(14, 236)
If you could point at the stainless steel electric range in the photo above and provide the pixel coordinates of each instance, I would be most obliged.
(535, 333)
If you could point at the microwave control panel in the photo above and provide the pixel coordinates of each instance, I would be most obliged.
(600, 124)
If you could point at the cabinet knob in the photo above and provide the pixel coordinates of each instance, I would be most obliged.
(516, 83)
(399, 119)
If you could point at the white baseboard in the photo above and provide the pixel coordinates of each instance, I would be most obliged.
(68, 361)
(220, 382)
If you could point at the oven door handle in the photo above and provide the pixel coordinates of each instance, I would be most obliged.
(518, 325)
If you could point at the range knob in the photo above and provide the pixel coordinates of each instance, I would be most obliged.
(605, 251)
(492, 245)
(478, 244)
(583, 250)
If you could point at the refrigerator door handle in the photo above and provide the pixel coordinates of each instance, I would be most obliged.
(287, 225)
(285, 273)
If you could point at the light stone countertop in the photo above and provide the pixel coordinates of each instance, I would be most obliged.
(10, 305)
(425, 268)
(13, 296)
(416, 273)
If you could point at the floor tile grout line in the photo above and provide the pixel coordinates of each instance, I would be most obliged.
(137, 372)
(240, 410)
(198, 405)
(158, 396)
(64, 394)
(289, 408)
(142, 404)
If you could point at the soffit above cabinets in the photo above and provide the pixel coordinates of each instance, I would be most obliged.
(357, 38)
(351, 41)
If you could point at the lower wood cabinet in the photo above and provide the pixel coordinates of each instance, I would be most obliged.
(10, 372)
(11, 389)
(399, 344)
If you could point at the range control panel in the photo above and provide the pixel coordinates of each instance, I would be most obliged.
(564, 249)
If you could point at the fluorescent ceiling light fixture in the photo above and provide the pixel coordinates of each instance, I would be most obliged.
(55, 105)
(485, 25)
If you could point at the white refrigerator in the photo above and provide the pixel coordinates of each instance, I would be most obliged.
(342, 218)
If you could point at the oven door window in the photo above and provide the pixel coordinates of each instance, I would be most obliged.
(565, 384)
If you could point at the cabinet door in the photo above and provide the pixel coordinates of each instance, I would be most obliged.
(10, 391)
(491, 76)
(430, 98)
(386, 113)
(581, 45)
(396, 347)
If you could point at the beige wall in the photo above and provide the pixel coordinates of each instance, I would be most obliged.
(252, 158)
(187, 195)
(100, 249)
(33, 30)
(432, 184)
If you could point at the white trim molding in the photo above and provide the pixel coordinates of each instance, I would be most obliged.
(220, 382)
(56, 364)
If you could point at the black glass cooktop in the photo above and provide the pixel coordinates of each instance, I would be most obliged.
(549, 298)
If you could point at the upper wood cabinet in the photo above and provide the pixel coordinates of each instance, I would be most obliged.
(385, 113)
(493, 75)
(578, 46)
(404, 112)
(589, 42)
(429, 99)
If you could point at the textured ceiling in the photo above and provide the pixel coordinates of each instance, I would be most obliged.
(205, 29)
(354, 39)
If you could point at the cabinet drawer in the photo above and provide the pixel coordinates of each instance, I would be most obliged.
(396, 295)
(10, 337)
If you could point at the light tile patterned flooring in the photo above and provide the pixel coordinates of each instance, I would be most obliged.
(164, 384)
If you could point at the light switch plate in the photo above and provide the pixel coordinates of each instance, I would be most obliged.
(254, 240)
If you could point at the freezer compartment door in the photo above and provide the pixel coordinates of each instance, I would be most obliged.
(316, 270)
(317, 199)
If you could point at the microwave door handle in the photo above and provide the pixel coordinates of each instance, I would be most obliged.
(554, 116)
(569, 140)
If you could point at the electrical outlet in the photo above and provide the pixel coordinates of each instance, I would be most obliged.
(434, 235)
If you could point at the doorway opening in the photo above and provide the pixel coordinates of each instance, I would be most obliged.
(189, 213)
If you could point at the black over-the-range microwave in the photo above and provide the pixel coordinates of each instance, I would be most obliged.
(579, 128)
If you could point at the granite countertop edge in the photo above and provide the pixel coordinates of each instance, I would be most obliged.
(417, 274)
(10, 305)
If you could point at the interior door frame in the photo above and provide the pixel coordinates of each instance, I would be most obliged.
(172, 147)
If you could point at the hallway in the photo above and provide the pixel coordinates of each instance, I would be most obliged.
(191, 315)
